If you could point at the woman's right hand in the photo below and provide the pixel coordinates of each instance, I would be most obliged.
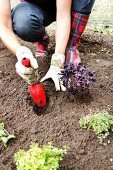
(27, 73)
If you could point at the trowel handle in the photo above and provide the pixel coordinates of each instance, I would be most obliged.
(26, 62)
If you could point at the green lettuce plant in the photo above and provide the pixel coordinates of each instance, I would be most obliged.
(45, 158)
(4, 135)
(100, 122)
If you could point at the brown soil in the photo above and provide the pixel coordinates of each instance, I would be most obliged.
(59, 120)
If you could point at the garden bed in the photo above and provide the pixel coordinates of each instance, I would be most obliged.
(59, 120)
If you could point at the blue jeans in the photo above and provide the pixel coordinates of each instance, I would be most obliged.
(29, 19)
(82, 6)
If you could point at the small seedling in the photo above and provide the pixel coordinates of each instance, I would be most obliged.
(100, 122)
(97, 61)
(102, 29)
(93, 55)
(45, 158)
(4, 135)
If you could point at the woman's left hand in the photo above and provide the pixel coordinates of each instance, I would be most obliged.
(57, 63)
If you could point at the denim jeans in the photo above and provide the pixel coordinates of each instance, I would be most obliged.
(29, 19)
(82, 6)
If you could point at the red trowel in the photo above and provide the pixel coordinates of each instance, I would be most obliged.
(36, 91)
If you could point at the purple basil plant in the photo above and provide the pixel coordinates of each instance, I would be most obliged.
(76, 77)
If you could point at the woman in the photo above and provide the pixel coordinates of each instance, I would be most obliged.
(28, 21)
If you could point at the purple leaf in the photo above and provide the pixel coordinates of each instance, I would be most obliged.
(76, 76)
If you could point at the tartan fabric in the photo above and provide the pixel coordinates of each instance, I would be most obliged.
(72, 56)
(42, 48)
(78, 25)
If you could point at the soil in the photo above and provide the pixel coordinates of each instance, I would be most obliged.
(58, 121)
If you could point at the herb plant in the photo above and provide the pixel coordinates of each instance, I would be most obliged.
(4, 135)
(76, 76)
(45, 158)
(100, 122)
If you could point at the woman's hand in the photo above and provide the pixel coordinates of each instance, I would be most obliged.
(57, 63)
(27, 73)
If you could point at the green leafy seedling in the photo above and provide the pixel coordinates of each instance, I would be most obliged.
(4, 135)
(101, 29)
(100, 122)
(45, 158)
